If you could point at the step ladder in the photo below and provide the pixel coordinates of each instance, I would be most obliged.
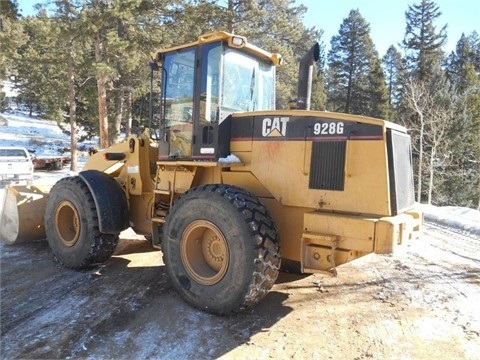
(158, 215)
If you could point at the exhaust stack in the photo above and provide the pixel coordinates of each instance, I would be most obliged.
(305, 73)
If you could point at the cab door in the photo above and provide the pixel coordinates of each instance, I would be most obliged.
(206, 129)
(178, 92)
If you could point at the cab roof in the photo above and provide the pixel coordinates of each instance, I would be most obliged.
(234, 41)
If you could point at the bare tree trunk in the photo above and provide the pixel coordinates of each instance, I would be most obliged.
(435, 105)
(128, 109)
(102, 97)
(72, 108)
(414, 96)
(102, 113)
(420, 157)
(118, 114)
(119, 87)
(478, 207)
(431, 174)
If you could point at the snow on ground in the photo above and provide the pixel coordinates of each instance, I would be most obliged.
(464, 219)
(9, 89)
(46, 138)
(42, 137)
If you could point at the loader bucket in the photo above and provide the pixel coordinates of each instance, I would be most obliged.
(22, 214)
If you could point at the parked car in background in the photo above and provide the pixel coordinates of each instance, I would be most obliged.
(16, 165)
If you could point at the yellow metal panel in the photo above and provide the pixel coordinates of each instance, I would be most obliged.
(98, 162)
(211, 175)
(246, 181)
(134, 170)
(287, 183)
(22, 213)
(139, 162)
(236, 146)
(176, 178)
(289, 221)
(366, 179)
(354, 232)
(246, 159)
(345, 237)
(318, 258)
(140, 209)
(396, 230)
(204, 175)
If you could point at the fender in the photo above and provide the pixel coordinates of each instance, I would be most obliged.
(110, 200)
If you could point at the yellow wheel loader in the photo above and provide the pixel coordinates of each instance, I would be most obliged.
(228, 186)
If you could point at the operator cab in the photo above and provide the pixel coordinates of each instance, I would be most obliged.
(202, 83)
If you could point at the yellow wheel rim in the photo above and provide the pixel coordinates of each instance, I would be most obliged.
(67, 223)
(204, 252)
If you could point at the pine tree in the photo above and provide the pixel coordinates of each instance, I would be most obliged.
(124, 34)
(100, 20)
(463, 72)
(394, 69)
(319, 93)
(423, 47)
(355, 81)
(422, 42)
(136, 34)
(11, 37)
(378, 91)
(41, 82)
(276, 26)
(66, 17)
(9, 10)
(467, 54)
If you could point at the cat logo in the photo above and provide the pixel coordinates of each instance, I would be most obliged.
(274, 127)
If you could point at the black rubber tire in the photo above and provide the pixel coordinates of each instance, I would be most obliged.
(250, 236)
(89, 247)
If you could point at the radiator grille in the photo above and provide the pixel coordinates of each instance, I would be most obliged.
(327, 165)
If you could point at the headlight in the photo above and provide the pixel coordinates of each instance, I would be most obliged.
(238, 41)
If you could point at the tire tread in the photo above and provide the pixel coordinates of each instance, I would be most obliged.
(263, 231)
(101, 245)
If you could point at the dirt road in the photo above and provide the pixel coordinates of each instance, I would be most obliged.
(421, 303)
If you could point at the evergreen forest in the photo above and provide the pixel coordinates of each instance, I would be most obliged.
(85, 64)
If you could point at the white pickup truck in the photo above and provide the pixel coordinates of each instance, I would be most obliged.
(15, 165)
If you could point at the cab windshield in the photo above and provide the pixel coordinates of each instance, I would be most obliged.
(229, 81)
(247, 83)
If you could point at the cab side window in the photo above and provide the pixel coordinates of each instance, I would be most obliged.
(178, 90)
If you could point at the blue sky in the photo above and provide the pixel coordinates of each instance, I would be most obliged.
(386, 18)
